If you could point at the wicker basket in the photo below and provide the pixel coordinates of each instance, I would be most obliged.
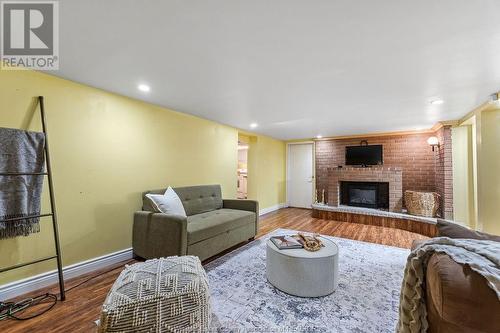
(422, 203)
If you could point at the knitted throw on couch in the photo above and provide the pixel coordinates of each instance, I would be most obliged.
(20, 151)
(482, 256)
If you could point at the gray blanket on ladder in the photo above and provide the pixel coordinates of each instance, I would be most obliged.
(20, 196)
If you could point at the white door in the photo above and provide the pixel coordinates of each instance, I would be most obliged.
(300, 175)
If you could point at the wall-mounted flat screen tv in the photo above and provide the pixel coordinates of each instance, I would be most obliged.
(363, 155)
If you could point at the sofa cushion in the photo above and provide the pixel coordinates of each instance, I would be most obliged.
(209, 224)
(195, 199)
(200, 199)
(454, 230)
(168, 203)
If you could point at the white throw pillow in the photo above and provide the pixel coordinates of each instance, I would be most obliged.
(168, 203)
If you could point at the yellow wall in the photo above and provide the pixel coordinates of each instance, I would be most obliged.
(488, 176)
(472, 121)
(266, 169)
(271, 175)
(485, 165)
(463, 198)
(106, 150)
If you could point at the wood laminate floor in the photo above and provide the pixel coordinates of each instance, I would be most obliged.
(83, 302)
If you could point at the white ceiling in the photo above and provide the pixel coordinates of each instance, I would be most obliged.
(297, 68)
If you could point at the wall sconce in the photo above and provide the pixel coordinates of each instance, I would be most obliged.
(433, 142)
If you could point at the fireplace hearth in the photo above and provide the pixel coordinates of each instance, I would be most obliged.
(365, 194)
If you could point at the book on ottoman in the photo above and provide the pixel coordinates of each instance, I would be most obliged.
(286, 242)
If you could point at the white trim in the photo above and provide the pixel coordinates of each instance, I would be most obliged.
(300, 142)
(272, 208)
(16, 288)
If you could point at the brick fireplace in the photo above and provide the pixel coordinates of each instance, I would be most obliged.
(392, 176)
(420, 168)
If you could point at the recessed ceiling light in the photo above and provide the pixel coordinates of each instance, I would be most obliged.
(253, 125)
(437, 101)
(144, 87)
(319, 136)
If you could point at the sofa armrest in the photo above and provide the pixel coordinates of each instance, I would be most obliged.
(158, 235)
(248, 205)
(458, 299)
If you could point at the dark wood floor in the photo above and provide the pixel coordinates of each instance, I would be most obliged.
(82, 305)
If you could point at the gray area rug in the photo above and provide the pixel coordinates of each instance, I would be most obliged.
(366, 299)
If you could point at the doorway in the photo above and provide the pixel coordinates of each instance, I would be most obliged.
(242, 191)
(300, 175)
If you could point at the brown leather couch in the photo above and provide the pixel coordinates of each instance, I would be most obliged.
(458, 299)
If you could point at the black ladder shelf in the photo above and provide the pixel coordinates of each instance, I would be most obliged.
(52, 214)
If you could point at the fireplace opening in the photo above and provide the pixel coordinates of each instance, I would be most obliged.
(365, 194)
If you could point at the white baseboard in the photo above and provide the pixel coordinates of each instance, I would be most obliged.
(20, 287)
(16, 288)
(272, 208)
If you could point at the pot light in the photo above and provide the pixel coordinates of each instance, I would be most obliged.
(254, 125)
(144, 87)
(437, 101)
(319, 136)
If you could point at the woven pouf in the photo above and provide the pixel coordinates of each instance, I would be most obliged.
(160, 295)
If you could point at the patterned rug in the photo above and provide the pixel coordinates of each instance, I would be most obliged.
(366, 299)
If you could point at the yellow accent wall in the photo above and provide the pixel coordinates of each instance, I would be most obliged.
(107, 149)
(266, 170)
(483, 183)
(488, 170)
(463, 192)
(474, 172)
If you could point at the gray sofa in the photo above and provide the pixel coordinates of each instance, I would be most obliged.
(212, 224)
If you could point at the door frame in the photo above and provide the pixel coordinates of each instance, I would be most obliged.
(288, 145)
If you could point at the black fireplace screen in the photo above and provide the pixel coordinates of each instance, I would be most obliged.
(365, 194)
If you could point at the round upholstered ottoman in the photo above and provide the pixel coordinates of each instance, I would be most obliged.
(302, 273)
(160, 295)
